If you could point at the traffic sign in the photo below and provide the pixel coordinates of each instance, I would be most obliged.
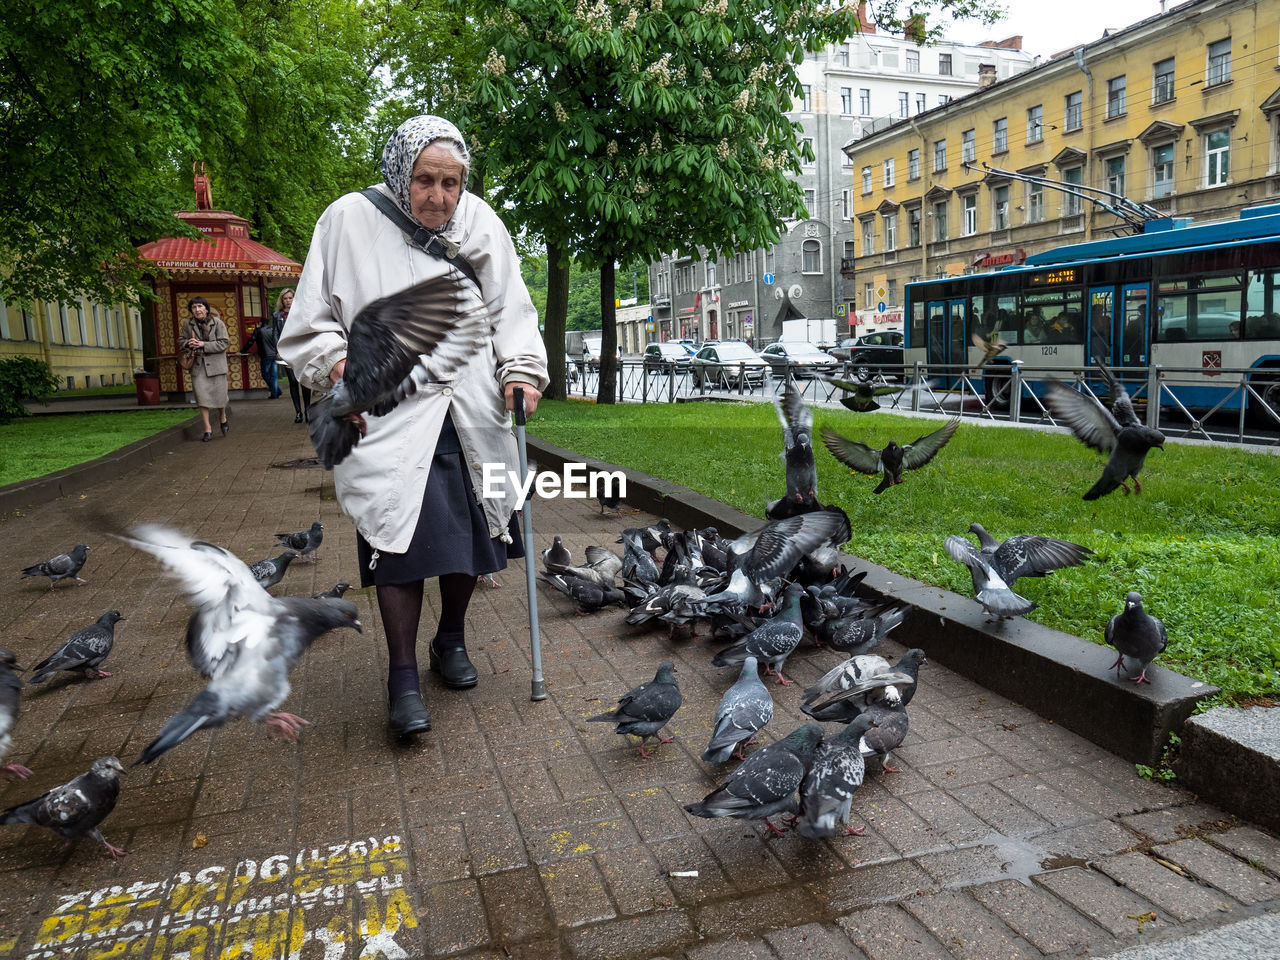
(767, 278)
(747, 319)
(880, 307)
(841, 310)
(649, 327)
(880, 292)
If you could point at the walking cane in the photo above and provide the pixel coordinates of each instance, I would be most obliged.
(539, 687)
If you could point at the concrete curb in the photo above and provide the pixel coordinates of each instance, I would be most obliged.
(1231, 757)
(1061, 677)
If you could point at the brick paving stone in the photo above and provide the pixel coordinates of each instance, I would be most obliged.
(868, 848)
(562, 813)
(1183, 898)
(946, 813)
(1106, 799)
(1252, 845)
(949, 751)
(770, 909)
(529, 784)
(899, 825)
(1175, 823)
(516, 906)
(636, 880)
(1001, 811)
(732, 949)
(1044, 800)
(576, 892)
(1222, 870)
(1151, 794)
(890, 933)
(962, 773)
(440, 852)
(494, 843)
(455, 919)
(805, 860)
(812, 941)
(867, 886)
(667, 931)
(967, 930)
(1112, 907)
(1087, 841)
(746, 857)
(691, 854)
(655, 814)
(968, 865)
(578, 840)
(1039, 917)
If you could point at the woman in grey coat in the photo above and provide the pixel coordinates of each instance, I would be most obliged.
(205, 335)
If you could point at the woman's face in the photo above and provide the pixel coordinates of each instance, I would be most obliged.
(286, 299)
(199, 311)
(435, 187)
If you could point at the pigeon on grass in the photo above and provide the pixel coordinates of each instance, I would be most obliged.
(304, 541)
(1136, 635)
(826, 795)
(893, 459)
(646, 709)
(75, 809)
(60, 567)
(765, 784)
(84, 650)
(744, 710)
(10, 702)
(998, 565)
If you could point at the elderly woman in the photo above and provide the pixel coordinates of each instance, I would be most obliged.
(205, 335)
(411, 485)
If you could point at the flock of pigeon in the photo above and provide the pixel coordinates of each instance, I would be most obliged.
(243, 640)
(789, 568)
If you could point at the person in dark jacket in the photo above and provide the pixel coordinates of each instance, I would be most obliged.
(265, 338)
(278, 319)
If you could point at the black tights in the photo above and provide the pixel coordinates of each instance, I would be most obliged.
(400, 605)
(294, 389)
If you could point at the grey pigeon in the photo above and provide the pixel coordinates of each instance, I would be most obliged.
(75, 809)
(893, 459)
(862, 396)
(588, 595)
(386, 347)
(744, 710)
(60, 567)
(608, 494)
(797, 455)
(765, 784)
(336, 591)
(890, 730)
(10, 701)
(83, 650)
(1137, 635)
(857, 635)
(1123, 436)
(773, 641)
(241, 638)
(998, 565)
(556, 557)
(646, 709)
(602, 566)
(304, 541)
(826, 795)
(861, 681)
(638, 567)
(270, 571)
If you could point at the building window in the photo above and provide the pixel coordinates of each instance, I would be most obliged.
(1071, 118)
(968, 147)
(1000, 208)
(811, 256)
(842, 55)
(1162, 81)
(844, 204)
(846, 100)
(711, 273)
(1162, 170)
(1000, 135)
(868, 296)
(913, 227)
(806, 97)
(904, 103)
(868, 237)
(913, 164)
(28, 324)
(1035, 124)
(1071, 201)
(921, 104)
(913, 61)
(137, 327)
(888, 172)
(864, 101)
(890, 231)
(4, 320)
(891, 293)
(80, 325)
(1115, 175)
(1115, 97)
(849, 252)
(939, 155)
(943, 99)
(1217, 148)
(64, 323)
(1035, 202)
(866, 179)
(1219, 70)
(970, 206)
(940, 220)
(944, 64)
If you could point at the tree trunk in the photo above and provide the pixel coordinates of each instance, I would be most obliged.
(608, 392)
(554, 320)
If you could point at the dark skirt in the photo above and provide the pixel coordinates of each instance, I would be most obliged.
(452, 535)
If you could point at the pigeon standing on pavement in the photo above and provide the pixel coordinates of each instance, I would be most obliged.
(893, 459)
(304, 541)
(890, 730)
(771, 642)
(646, 709)
(862, 634)
(83, 650)
(60, 567)
(765, 784)
(1122, 436)
(270, 571)
(336, 591)
(744, 710)
(1137, 635)
(75, 809)
(826, 795)
(557, 556)
(996, 566)
(10, 701)
(862, 681)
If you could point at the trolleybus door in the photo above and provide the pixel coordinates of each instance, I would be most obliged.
(946, 338)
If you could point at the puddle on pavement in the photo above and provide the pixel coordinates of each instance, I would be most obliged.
(1013, 858)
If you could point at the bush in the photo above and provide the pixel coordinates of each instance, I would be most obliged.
(23, 378)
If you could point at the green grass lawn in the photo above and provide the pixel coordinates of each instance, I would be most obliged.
(34, 446)
(1201, 544)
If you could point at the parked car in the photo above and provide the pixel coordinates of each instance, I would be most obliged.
(664, 357)
(884, 338)
(800, 359)
(727, 363)
(869, 360)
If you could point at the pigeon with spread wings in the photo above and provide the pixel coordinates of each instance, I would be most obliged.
(385, 347)
(797, 454)
(893, 459)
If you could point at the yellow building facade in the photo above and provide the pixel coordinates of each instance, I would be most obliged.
(1180, 112)
(86, 343)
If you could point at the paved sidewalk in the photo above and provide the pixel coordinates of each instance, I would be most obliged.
(514, 829)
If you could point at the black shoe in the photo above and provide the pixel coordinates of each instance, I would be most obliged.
(207, 437)
(407, 715)
(297, 418)
(224, 426)
(455, 668)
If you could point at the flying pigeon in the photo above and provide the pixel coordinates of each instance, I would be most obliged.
(336, 591)
(764, 784)
(385, 349)
(241, 638)
(556, 557)
(1136, 635)
(860, 397)
(773, 641)
(270, 571)
(305, 541)
(75, 809)
(646, 709)
(744, 710)
(797, 454)
(997, 566)
(893, 459)
(60, 567)
(990, 348)
(83, 650)
(10, 700)
(1118, 433)
(826, 795)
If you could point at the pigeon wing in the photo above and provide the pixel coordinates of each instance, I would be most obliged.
(778, 546)
(919, 452)
(853, 454)
(1032, 556)
(1087, 419)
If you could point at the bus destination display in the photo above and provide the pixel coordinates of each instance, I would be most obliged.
(1052, 278)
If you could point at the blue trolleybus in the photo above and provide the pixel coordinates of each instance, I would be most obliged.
(1199, 299)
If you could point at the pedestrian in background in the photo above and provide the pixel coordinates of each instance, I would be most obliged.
(205, 335)
(264, 339)
(300, 406)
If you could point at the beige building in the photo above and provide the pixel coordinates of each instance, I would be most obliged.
(1180, 112)
(86, 343)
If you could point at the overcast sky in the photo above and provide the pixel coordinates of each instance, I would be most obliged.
(1048, 28)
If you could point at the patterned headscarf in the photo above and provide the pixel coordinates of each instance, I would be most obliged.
(409, 140)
